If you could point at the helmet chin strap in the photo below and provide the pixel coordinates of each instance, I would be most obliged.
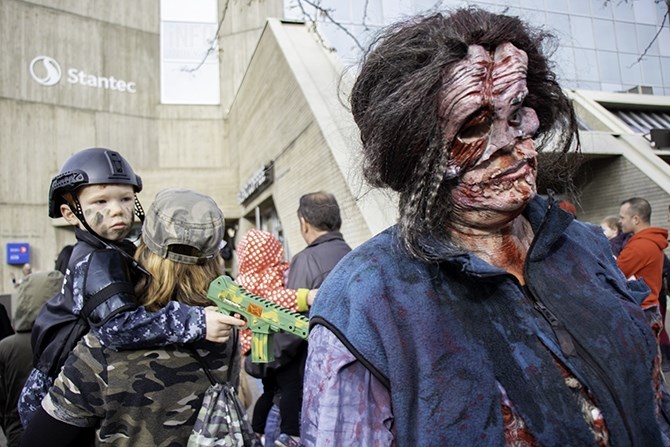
(79, 214)
(139, 211)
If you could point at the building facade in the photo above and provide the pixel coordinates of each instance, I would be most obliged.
(613, 58)
(75, 75)
(602, 45)
(241, 100)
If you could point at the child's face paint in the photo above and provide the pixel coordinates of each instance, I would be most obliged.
(108, 209)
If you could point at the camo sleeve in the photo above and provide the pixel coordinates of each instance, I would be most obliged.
(77, 394)
(175, 323)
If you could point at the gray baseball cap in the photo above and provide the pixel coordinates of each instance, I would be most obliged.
(183, 217)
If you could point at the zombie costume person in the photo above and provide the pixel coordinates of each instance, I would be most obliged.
(487, 315)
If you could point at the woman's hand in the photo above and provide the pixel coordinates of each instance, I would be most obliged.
(218, 325)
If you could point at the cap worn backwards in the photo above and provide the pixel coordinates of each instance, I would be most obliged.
(183, 217)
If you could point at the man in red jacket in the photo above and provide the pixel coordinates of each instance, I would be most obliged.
(642, 256)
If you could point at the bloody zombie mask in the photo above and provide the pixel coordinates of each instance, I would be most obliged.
(490, 131)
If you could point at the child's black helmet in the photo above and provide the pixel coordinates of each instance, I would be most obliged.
(94, 166)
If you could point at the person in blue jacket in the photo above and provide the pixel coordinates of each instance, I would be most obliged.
(487, 315)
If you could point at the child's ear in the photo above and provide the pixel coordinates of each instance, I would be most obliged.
(68, 215)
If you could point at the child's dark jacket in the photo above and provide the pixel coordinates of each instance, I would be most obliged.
(98, 294)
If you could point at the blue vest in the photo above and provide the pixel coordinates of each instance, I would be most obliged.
(440, 336)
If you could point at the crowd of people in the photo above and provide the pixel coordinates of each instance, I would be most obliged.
(487, 315)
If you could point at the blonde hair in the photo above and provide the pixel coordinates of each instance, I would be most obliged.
(186, 283)
(613, 223)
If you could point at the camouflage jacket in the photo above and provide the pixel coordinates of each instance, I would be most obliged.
(117, 320)
(147, 397)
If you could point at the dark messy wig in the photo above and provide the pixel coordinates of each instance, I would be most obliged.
(394, 102)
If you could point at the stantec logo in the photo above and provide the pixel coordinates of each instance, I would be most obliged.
(46, 71)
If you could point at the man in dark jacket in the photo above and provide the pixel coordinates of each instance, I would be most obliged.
(16, 355)
(320, 223)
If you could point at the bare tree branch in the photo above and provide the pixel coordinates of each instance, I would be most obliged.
(365, 15)
(212, 47)
(660, 28)
(326, 13)
(658, 32)
(312, 26)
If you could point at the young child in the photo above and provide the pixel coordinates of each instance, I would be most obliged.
(261, 270)
(96, 192)
(614, 233)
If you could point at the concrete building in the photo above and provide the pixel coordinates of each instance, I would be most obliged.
(255, 117)
(84, 74)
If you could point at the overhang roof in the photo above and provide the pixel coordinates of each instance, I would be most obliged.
(642, 121)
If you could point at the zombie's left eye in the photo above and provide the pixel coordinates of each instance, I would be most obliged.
(515, 119)
(476, 128)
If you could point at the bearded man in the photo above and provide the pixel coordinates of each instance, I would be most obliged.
(487, 315)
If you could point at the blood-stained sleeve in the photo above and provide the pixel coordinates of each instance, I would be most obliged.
(343, 403)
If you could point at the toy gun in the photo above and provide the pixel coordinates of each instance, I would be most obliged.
(263, 317)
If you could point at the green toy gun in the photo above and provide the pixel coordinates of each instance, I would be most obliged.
(264, 318)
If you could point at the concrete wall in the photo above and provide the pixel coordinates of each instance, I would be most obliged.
(273, 120)
(606, 182)
(169, 146)
(240, 32)
(279, 102)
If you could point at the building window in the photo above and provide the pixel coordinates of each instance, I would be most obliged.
(189, 52)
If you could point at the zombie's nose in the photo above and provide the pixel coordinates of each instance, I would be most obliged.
(505, 133)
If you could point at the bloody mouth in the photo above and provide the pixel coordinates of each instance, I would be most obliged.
(514, 172)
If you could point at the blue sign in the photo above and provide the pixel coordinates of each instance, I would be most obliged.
(18, 253)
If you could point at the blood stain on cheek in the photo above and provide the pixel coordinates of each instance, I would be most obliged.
(465, 155)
